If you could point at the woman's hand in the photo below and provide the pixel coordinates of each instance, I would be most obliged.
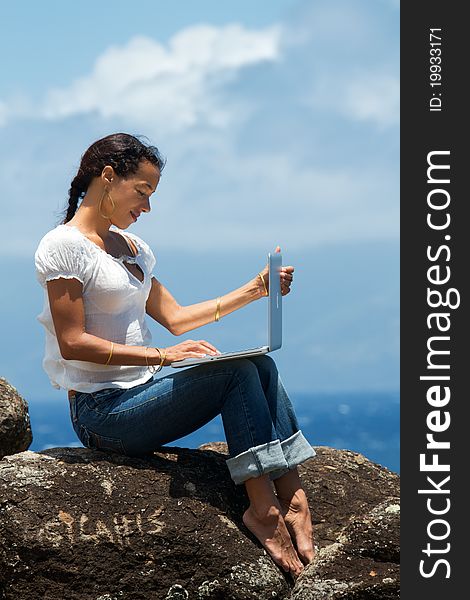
(188, 349)
(285, 275)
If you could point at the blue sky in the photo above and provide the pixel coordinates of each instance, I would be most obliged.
(279, 122)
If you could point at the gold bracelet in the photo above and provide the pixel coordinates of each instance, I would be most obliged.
(110, 354)
(217, 310)
(162, 359)
(264, 284)
(151, 368)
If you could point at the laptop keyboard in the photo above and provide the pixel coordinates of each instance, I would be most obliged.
(233, 352)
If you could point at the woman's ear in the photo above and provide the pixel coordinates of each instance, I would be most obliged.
(107, 174)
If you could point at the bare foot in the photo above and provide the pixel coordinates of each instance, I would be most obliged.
(272, 532)
(297, 517)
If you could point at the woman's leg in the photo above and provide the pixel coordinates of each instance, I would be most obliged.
(148, 416)
(264, 516)
(280, 406)
(143, 418)
(265, 520)
(294, 446)
(289, 445)
(294, 508)
(270, 517)
(291, 495)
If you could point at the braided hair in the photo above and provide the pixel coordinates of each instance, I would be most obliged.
(121, 151)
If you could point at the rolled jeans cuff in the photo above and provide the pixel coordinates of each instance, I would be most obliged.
(296, 450)
(275, 458)
(256, 461)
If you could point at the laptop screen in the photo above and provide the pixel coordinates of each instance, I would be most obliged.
(274, 302)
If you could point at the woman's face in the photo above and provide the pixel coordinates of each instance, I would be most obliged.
(131, 196)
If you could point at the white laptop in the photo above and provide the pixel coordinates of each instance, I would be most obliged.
(274, 321)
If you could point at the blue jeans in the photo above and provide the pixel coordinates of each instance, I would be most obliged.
(260, 425)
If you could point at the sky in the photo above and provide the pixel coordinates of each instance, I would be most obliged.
(279, 121)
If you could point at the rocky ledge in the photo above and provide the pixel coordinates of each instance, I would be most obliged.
(15, 427)
(83, 525)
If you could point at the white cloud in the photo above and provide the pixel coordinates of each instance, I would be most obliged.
(373, 98)
(366, 96)
(174, 87)
(183, 84)
(288, 176)
(353, 59)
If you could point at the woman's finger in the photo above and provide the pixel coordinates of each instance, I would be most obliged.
(210, 348)
(285, 287)
(207, 347)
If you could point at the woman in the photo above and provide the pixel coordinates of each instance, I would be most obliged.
(98, 286)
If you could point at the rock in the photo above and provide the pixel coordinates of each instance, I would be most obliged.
(80, 524)
(362, 564)
(15, 427)
(356, 514)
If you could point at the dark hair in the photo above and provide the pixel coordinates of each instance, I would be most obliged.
(121, 151)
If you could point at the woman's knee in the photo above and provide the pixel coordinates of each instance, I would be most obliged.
(244, 366)
(264, 363)
(241, 370)
(258, 368)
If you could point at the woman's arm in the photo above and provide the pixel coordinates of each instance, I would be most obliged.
(179, 319)
(68, 315)
(163, 307)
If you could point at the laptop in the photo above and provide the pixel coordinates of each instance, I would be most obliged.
(274, 322)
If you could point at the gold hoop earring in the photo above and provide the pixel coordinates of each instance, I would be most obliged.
(100, 205)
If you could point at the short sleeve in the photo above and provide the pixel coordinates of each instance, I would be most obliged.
(148, 256)
(62, 254)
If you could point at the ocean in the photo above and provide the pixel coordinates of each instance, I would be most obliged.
(366, 422)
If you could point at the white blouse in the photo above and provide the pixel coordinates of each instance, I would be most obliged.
(114, 302)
